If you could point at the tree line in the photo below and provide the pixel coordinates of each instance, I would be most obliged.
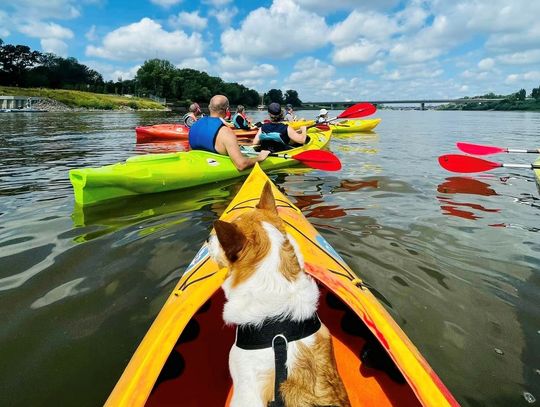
(23, 67)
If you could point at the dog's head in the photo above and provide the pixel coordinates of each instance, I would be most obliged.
(254, 238)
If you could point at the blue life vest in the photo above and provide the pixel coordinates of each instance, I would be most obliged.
(274, 137)
(203, 133)
(244, 123)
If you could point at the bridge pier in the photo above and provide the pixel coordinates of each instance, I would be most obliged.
(422, 106)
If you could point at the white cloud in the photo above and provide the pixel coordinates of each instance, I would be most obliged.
(41, 10)
(521, 58)
(146, 39)
(112, 72)
(166, 3)
(532, 76)
(370, 25)
(356, 53)
(55, 46)
(38, 29)
(413, 72)
(217, 3)
(277, 32)
(4, 21)
(377, 67)
(224, 16)
(330, 6)
(244, 71)
(192, 20)
(198, 63)
(486, 64)
(91, 34)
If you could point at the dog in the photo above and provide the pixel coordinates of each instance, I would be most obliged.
(267, 292)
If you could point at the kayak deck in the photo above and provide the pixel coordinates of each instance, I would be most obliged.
(355, 126)
(191, 335)
(169, 132)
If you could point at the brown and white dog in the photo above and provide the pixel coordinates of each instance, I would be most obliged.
(266, 282)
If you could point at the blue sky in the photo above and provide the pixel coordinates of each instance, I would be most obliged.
(326, 50)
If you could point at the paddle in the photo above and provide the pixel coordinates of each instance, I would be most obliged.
(354, 112)
(319, 159)
(465, 163)
(478, 149)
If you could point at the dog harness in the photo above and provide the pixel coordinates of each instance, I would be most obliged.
(276, 334)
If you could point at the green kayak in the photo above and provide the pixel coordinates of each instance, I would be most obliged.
(151, 173)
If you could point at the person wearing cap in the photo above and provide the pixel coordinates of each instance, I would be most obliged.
(277, 136)
(239, 120)
(322, 117)
(290, 116)
(211, 134)
(192, 115)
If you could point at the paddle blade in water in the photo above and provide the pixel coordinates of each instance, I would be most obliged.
(478, 149)
(464, 163)
(358, 110)
(319, 159)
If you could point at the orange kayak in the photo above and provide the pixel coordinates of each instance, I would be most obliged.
(168, 132)
(183, 358)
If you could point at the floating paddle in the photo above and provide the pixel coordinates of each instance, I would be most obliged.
(465, 163)
(478, 149)
(319, 159)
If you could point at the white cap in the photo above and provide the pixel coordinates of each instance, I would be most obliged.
(322, 112)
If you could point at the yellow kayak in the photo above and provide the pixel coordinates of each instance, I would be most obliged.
(299, 123)
(537, 171)
(355, 126)
(183, 358)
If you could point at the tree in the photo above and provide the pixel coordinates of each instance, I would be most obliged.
(291, 96)
(521, 94)
(536, 93)
(273, 95)
(15, 61)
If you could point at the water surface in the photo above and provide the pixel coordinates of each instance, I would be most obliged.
(455, 259)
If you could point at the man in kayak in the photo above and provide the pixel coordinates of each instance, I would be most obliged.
(193, 115)
(290, 116)
(210, 134)
(240, 120)
(322, 117)
(277, 136)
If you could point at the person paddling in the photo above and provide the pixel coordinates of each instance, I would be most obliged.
(193, 115)
(290, 116)
(210, 134)
(322, 117)
(277, 136)
(240, 120)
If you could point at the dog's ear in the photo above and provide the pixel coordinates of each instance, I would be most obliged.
(231, 238)
(267, 200)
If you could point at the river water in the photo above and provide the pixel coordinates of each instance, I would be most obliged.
(455, 259)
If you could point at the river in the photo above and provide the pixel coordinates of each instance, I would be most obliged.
(455, 259)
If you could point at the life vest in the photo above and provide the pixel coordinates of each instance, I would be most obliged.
(189, 115)
(245, 123)
(203, 133)
(274, 137)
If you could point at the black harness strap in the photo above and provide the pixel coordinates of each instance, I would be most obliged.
(276, 334)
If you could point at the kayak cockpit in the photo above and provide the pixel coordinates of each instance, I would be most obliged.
(197, 374)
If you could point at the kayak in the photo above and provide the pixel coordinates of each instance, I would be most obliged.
(355, 126)
(299, 123)
(537, 172)
(183, 358)
(150, 173)
(166, 132)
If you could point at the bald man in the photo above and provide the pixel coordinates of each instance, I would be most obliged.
(211, 134)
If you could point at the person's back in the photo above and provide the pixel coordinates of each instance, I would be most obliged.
(239, 119)
(211, 134)
(192, 115)
(277, 136)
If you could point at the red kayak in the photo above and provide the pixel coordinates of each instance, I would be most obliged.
(169, 132)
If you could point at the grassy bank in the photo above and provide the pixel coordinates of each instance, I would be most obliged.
(502, 105)
(85, 100)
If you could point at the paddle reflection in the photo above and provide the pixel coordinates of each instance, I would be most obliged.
(464, 185)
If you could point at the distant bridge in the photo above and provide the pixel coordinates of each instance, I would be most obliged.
(421, 102)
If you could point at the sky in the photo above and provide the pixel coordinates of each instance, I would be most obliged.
(325, 50)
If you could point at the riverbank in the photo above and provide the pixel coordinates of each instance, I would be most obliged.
(528, 105)
(72, 100)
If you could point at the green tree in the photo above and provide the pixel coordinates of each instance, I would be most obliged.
(521, 94)
(274, 95)
(536, 93)
(15, 61)
(291, 96)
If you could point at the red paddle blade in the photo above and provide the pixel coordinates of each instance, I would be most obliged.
(319, 159)
(464, 163)
(358, 110)
(478, 149)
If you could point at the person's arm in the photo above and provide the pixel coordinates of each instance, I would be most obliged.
(189, 121)
(241, 162)
(299, 138)
(257, 139)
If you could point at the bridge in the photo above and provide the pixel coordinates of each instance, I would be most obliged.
(421, 102)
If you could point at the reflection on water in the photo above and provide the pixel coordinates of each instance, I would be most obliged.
(79, 287)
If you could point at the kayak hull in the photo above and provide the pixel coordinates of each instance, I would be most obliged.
(170, 132)
(152, 173)
(355, 126)
(537, 172)
(184, 353)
